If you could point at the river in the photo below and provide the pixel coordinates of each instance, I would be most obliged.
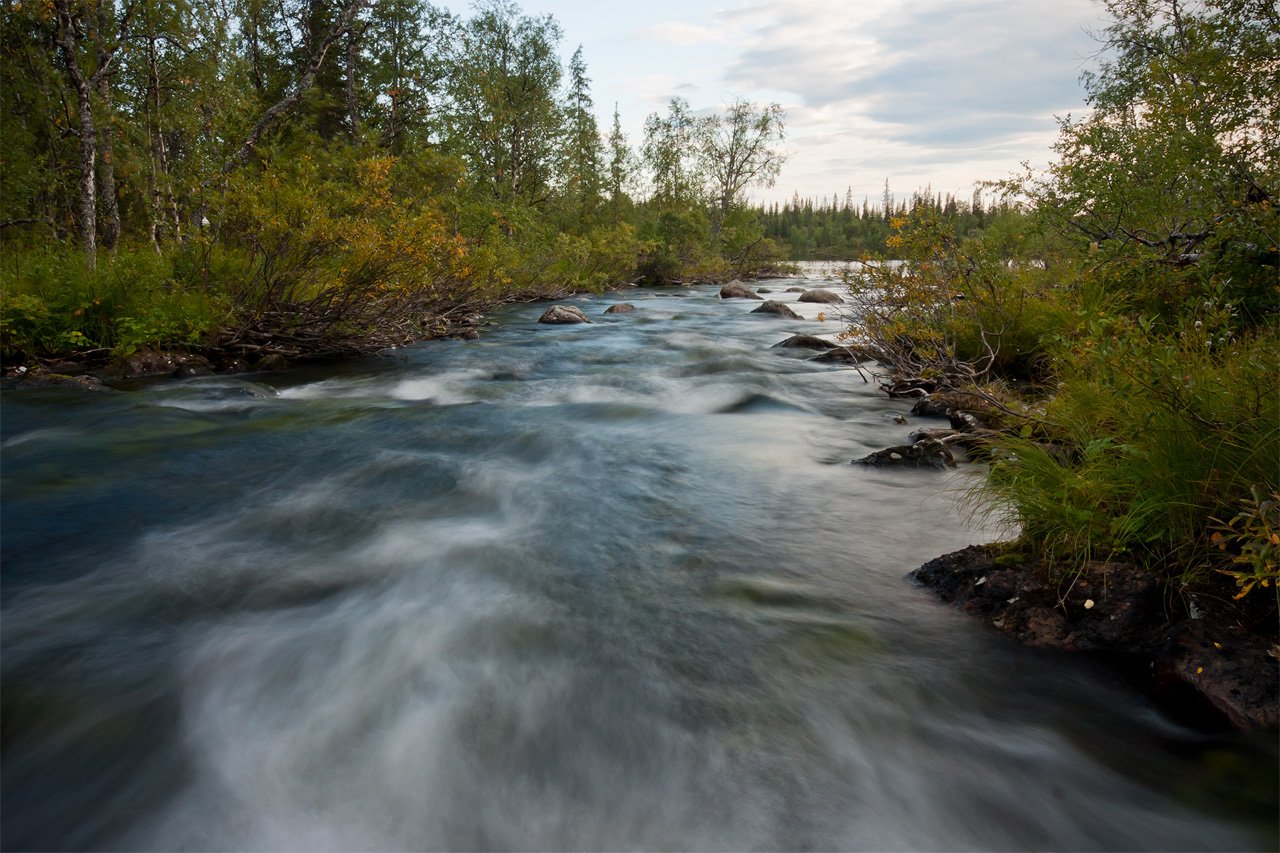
(600, 586)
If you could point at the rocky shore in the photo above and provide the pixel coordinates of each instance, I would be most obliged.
(1206, 661)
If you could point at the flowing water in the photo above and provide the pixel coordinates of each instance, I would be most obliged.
(606, 586)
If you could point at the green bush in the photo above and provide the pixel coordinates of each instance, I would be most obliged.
(1150, 439)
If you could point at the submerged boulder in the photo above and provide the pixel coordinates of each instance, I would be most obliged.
(561, 314)
(737, 290)
(620, 308)
(795, 290)
(780, 308)
(819, 295)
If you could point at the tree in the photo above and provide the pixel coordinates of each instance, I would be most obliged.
(583, 153)
(90, 39)
(501, 113)
(669, 152)
(741, 148)
(621, 164)
(1176, 167)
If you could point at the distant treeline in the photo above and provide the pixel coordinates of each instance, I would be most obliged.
(837, 227)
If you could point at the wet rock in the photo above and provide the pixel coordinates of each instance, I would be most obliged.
(844, 355)
(805, 342)
(44, 378)
(563, 314)
(150, 363)
(926, 434)
(470, 335)
(965, 421)
(737, 290)
(763, 290)
(1229, 670)
(620, 308)
(780, 308)
(795, 290)
(825, 297)
(939, 405)
(271, 361)
(924, 454)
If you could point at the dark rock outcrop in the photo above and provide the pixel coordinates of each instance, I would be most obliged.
(825, 297)
(563, 314)
(150, 363)
(620, 308)
(737, 290)
(773, 306)
(1206, 668)
(922, 454)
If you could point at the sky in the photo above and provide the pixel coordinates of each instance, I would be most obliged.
(938, 93)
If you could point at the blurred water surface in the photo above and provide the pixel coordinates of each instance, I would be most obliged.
(608, 586)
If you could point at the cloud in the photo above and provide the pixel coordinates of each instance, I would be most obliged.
(680, 33)
(933, 89)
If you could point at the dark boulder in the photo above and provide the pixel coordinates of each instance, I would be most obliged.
(924, 454)
(779, 308)
(620, 308)
(795, 290)
(826, 297)
(562, 314)
(763, 290)
(272, 361)
(805, 342)
(737, 290)
(844, 355)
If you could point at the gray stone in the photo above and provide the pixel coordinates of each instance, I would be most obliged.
(562, 314)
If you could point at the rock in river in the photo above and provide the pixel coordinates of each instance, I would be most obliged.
(819, 295)
(620, 308)
(737, 290)
(780, 308)
(805, 342)
(924, 454)
(563, 314)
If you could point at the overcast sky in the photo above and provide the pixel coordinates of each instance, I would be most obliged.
(937, 92)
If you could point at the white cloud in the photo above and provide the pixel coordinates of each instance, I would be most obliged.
(680, 33)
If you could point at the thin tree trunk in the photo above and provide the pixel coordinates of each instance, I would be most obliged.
(88, 220)
(105, 142)
(353, 112)
(159, 151)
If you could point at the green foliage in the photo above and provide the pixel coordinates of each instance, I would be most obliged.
(51, 305)
(1147, 441)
